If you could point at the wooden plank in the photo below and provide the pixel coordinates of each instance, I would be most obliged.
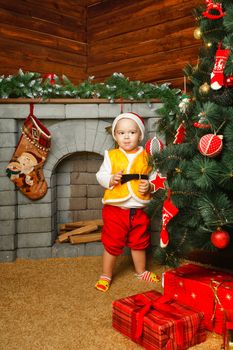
(176, 40)
(9, 33)
(79, 231)
(158, 60)
(12, 61)
(71, 225)
(37, 11)
(39, 25)
(98, 222)
(72, 8)
(40, 53)
(145, 18)
(147, 34)
(109, 8)
(70, 100)
(93, 237)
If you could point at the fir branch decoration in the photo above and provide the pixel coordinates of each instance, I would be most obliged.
(33, 85)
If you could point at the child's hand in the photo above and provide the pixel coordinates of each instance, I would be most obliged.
(116, 178)
(144, 186)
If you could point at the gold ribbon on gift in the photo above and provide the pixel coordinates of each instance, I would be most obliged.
(228, 314)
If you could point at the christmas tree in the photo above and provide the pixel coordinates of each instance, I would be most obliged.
(196, 205)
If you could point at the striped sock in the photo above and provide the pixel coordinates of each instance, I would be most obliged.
(105, 278)
(148, 277)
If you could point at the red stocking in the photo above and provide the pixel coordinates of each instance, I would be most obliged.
(217, 76)
(26, 165)
(168, 212)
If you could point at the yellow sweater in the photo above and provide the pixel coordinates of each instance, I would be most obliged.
(123, 192)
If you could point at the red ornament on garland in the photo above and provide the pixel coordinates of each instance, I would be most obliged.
(210, 145)
(220, 239)
(50, 77)
(153, 145)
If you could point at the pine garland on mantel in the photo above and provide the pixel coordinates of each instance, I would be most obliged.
(33, 85)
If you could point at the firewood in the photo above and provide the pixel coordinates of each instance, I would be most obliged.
(78, 231)
(92, 237)
(76, 224)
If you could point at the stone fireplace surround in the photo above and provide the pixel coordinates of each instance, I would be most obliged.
(28, 229)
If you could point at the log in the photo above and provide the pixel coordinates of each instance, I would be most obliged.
(71, 225)
(92, 237)
(78, 231)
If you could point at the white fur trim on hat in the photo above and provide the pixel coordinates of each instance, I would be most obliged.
(132, 116)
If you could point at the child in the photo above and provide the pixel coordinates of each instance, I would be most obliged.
(124, 175)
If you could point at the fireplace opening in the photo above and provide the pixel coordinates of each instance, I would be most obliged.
(78, 194)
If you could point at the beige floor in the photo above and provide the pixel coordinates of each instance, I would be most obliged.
(53, 305)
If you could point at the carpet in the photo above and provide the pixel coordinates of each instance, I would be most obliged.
(53, 305)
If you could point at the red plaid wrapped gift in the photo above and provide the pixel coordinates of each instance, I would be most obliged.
(158, 323)
(203, 289)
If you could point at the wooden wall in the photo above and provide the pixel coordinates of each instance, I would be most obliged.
(44, 37)
(147, 40)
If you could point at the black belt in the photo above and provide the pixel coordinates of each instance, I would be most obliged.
(127, 177)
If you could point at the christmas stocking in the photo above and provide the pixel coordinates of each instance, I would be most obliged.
(25, 167)
(168, 212)
(217, 76)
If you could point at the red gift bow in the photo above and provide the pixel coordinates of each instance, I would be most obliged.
(160, 305)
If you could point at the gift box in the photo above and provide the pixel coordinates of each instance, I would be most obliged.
(204, 289)
(158, 323)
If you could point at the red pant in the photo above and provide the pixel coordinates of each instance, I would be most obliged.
(124, 227)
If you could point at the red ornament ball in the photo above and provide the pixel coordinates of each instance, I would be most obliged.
(153, 145)
(220, 239)
(210, 145)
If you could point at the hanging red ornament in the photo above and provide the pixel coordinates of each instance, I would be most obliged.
(180, 134)
(210, 6)
(210, 145)
(202, 122)
(228, 81)
(158, 182)
(153, 145)
(168, 212)
(220, 239)
(217, 78)
(50, 77)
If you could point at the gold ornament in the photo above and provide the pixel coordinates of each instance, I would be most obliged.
(197, 33)
(204, 89)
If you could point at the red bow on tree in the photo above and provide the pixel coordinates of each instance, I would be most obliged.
(211, 6)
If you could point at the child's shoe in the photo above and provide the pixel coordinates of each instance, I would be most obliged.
(103, 283)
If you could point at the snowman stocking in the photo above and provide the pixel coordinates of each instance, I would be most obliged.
(168, 212)
(217, 76)
(25, 167)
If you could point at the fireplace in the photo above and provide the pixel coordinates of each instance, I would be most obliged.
(29, 228)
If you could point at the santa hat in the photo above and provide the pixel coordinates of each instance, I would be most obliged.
(133, 116)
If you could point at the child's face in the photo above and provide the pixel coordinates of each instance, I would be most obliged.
(127, 134)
